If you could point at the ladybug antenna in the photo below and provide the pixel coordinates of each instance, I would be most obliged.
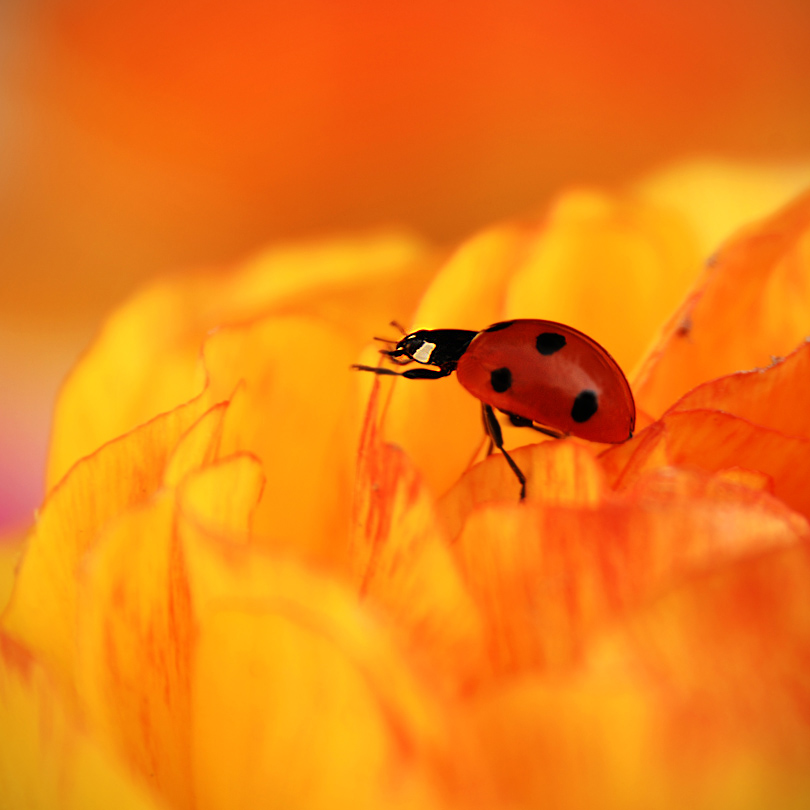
(398, 325)
(385, 340)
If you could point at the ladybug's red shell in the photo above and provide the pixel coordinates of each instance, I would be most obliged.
(551, 374)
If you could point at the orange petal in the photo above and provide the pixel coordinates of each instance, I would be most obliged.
(646, 450)
(713, 441)
(99, 488)
(558, 473)
(773, 397)
(402, 565)
(750, 305)
(547, 578)
(46, 760)
(700, 700)
(725, 660)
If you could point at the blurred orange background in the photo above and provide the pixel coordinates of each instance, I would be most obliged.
(142, 136)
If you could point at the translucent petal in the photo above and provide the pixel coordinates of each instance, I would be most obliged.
(119, 476)
(773, 397)
(751, 305)
(714, 441)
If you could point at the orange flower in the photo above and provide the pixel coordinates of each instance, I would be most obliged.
(223, 604)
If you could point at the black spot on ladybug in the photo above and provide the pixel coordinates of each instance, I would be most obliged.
(585, 406)
(496, 327)
(501, 379)
(550, 342)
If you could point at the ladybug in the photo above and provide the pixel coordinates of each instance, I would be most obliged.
(541, 374)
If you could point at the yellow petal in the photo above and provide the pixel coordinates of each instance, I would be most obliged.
(11, 550)
(354, 284)
(467, 293)
(234, 574)
(285, 717)
(197, 447)
(292, 411)
(46, 760)
(220, 500)
(120, 475)
(612, 267)
(300, 692)
(135, 641)
(136, 624)
(716, 197)
(88, 413)
(540, 738)
(160, 330)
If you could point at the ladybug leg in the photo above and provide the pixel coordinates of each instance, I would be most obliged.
(519, 421)
(522, 421)
(426, 373)
(554, 434)
(397, 356)
(412, 374)
(495, 434)
(400, 361)
(491, 444)
(377, 370)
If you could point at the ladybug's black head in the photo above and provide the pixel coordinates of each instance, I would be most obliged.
(417, 346)
(436, 347)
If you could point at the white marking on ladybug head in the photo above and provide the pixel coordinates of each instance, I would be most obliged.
(423, 353)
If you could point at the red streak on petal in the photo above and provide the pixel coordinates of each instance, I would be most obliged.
(16, 657)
